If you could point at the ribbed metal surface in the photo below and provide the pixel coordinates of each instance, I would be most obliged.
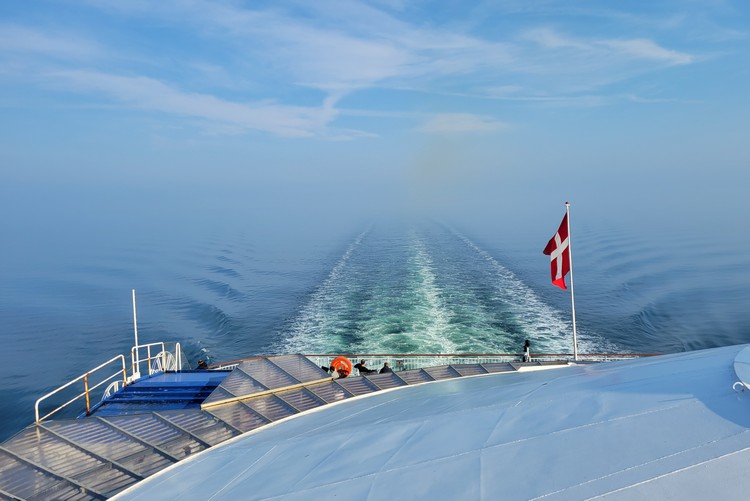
(144, 426)
(159, 433)
(239, 416)
(469, 369)
(203, 425)
(267, 373)
(112, 445)
(219, 394)
(299, 367)
(45, 449)
(357, 385)
(442, 372)
(26, 482)
(498, 367)
(387, 380)
(105, 479)
(330, 392)
(271, 407)
(301, 399)
(97, 437)
(240, 383)
(415, 376)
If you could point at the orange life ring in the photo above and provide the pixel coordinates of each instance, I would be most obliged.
(342, 365)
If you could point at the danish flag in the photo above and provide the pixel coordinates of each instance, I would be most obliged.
(558, 250)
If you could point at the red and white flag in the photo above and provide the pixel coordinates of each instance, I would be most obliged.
(558, 250)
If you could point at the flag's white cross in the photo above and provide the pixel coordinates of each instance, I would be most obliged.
(557, 254)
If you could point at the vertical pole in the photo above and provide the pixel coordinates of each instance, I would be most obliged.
(572, 294)
(86, 391)
(135, 329)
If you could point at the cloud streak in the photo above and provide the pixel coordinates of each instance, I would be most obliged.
(253, 63)
(152, 95)
(461, 123)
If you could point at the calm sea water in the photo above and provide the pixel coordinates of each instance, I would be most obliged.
(237, 284)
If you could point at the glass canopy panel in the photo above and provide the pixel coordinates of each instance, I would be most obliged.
(239, 416)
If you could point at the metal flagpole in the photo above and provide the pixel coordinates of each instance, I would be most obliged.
(137, 364)
(572, 295)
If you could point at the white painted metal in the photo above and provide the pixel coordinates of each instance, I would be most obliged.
(642, 429)
(136, 364)
(87, 390)
(572, 294)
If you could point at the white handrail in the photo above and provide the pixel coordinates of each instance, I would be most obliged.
(86, 391)
(136, 360)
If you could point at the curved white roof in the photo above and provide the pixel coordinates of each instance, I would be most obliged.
(663, 427)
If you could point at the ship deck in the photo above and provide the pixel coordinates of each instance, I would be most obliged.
(671, 427)
(163, 419)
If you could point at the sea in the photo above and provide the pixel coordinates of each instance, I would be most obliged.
(229, 283)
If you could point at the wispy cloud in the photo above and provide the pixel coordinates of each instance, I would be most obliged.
(153, 95)
(646, 49)
(461, 123)
(22, 40)
(604, 50)
(267, 68)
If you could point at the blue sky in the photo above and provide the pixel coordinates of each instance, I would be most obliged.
(445, 103)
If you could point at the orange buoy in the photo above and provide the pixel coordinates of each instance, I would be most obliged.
(342, 365)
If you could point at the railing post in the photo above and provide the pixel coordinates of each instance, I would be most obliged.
(86, 391)
(178, 356)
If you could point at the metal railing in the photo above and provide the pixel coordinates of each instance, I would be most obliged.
(87, 388)
(404, 361)
(162, 361)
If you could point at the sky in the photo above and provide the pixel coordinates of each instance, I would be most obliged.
(468, 106)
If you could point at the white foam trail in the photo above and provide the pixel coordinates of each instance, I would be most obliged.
(438, 315)
(310, 332)
(431, 323)
(546, 326)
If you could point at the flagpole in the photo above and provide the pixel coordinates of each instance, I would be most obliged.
(572, 295)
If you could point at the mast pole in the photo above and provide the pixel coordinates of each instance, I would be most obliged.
(572, 294)
(136, 362)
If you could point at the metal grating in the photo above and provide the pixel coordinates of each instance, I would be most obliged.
(469, 369)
